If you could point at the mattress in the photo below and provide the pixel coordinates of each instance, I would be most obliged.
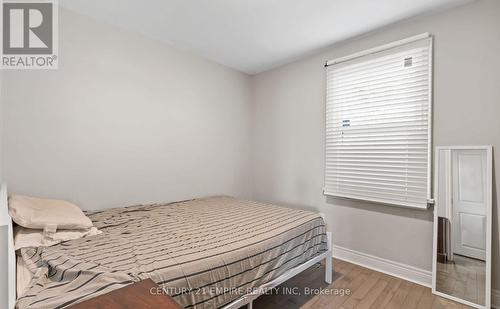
(205, 253)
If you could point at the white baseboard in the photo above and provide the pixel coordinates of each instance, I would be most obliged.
(403, 271)
(495, 298)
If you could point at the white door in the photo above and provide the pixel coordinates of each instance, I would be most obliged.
(469, 203)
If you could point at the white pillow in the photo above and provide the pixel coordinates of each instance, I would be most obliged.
(24, 237)
(37, 213)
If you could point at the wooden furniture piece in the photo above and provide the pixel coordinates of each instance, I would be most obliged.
(442, 240)
(144, 294)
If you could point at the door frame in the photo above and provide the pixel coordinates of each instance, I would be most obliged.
(489, 184)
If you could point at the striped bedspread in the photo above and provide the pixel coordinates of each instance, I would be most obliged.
(205, 252)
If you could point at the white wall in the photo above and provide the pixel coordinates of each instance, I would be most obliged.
(289, 105)
(1, 124)
(125, 120)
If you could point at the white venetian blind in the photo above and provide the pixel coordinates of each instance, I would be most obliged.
(378, 125)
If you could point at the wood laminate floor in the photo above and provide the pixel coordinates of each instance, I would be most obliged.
(353, 287)
(463, 277)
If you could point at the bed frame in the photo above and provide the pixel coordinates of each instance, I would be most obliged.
(327, 256)
(5, 220)
(8, 241)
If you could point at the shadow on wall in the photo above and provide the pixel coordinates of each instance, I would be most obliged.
(420, 214)
(298, 206)
(426, 215)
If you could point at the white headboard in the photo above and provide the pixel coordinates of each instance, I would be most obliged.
(8, 258)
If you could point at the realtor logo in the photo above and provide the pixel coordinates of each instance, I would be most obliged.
(29, 34)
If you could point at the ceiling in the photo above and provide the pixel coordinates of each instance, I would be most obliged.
(253, 35)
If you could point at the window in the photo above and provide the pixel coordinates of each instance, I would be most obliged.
(378, 124)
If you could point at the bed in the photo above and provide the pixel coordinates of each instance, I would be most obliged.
(215, 252)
